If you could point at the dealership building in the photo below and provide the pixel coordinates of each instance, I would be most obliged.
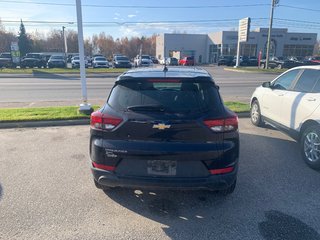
(206, 48)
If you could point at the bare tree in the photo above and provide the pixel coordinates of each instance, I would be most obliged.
(6, 39)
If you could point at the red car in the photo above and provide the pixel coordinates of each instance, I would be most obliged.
(187, 61)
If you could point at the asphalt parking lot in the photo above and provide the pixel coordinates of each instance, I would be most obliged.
(46, 192)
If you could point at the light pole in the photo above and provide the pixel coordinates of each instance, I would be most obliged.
(273, 3)
(65, 46)
(85, 107)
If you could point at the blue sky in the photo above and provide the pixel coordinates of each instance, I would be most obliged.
(122, 20)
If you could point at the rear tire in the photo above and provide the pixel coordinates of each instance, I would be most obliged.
(229, 190)
(255, 114)
(310, 146)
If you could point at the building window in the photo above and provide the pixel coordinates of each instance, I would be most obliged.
(229, 49)
(297, 50)
(249, 50)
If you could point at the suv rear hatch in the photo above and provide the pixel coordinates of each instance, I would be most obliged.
(162, 119)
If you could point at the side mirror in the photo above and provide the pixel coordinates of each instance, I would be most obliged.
(266, 84)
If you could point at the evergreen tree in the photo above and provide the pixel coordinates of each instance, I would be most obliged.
(25, 43)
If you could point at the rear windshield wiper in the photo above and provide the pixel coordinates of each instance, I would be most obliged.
(157, 108)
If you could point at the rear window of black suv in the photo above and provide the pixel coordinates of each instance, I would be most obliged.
(166, 95)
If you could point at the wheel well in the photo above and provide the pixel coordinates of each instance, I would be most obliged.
(306, 124)
(253, 99)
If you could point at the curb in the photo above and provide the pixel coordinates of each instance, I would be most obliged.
(61, 123)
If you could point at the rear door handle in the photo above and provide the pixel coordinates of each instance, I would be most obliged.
(311, 99)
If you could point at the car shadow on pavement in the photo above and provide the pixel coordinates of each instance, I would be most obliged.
(267, 178)
(282, 226)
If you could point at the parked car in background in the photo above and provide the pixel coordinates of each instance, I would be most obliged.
(154, 60)
(33, 60)
(146, 62)
(56, 61)
(100, 62)
(274, 62)
(291, 103)
(315, 59)
(120, 61)
(252, 61)
(243, 61)
(6, 60)
(46, 57)
(143, 61)
(187, 61)
(75, 62)
(70, 56)
(225, 60)
(165, 129)
(311, 61)
(162, 61)
(171, 61)
(90, 59)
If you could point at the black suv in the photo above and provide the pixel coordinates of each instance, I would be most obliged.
(225, 60)
(121, 62)
(33, 60)
(6, 60)
(165, 129)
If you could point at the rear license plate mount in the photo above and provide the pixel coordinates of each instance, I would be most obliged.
(162, 167)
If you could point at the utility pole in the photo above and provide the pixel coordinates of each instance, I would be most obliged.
(65, 47)
(273, 3)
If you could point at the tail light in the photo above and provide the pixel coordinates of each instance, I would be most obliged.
(104, 121)
(221, 170)
(222, 125)
(103, 167)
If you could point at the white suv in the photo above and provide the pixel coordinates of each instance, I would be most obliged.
(291, 103)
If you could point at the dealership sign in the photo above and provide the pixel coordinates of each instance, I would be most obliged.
(15, 53)
(244, 28)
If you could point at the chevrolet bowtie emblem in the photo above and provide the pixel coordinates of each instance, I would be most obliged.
(161, 126)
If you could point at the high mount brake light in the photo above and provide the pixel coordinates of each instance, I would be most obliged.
(164, 80)
(222, 125)
(104, 121)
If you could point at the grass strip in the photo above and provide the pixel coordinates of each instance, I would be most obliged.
(41, 114)
(70, 112)
(238, 107)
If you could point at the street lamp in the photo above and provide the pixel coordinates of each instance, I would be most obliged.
(65, 47)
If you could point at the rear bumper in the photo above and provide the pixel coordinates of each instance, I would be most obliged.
(122, 65)
(211, 182)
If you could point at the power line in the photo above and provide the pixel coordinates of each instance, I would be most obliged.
(128, 23)
(300, 8)
(299, 21)
(135, 6)
(160, 21)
